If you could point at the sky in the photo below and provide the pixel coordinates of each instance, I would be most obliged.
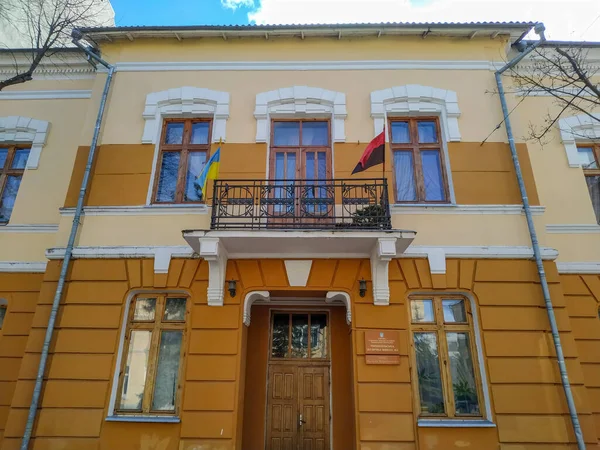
(564, 19)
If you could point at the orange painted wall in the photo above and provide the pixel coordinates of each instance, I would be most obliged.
(21, 291)
(122, 173)
(527, 400)
(582, 297)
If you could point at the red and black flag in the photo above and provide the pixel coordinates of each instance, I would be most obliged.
(374, 154)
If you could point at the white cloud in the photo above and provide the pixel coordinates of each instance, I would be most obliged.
(564, 19)
(235, 4)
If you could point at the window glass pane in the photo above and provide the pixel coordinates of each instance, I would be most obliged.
(463, 377)
(428, 372)
(400, 133)
(315, 133)
(134, 379)
(286, 133)
(196, 162)
(594, 188)
(165, 386)
(7, 202)
(20, 159)
(174, 133)
(422, 311)
(432, 175)
(318, 336)
(167, 183)
(144, 309)
(454, 311)
(200, 133)
(310, 165)
(405, 177)
(587, 158)
(290, 173)
(299, 335)
(3, 156)
(427, 132)
(2, 315)
(322, 165)
(281, 329)
(175, 309)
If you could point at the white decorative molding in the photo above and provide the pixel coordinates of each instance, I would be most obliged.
(437, 261)
(45, 95)
(143, 210)
(212, 250)
(339, 296)
(25, 130)
(251, 297)
(162, 259)
(383, 253)
(185, 102)
(29, 228)
(174, 66)
(23, 266)
(300, 101)
(101, 252)
(579, 267)
(578, 128)
(573, 228)
(479, 252)
(415, 100)
(403, 209)
(298, 271)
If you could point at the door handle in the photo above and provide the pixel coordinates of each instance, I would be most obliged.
(300, 421)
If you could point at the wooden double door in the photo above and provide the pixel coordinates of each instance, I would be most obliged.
(298, 397)
(298, 407)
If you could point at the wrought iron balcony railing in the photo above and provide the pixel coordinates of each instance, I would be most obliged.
(352, 204)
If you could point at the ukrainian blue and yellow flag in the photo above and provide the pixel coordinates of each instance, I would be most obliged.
(210, 171)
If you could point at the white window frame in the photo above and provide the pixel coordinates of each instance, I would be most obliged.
(300, 102)
(414, 100)
(487, 420)
(112, 416)
(185, 103)
(578, 129)
(25, 130)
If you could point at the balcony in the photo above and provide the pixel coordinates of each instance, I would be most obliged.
(338, 205)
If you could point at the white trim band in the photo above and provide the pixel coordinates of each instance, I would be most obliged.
(23, 266)
(29, 228)
(572, 228)
(46, 95)
(162, 66)
(479, 252)
(464, 209)
(143, 210)
(579, 267)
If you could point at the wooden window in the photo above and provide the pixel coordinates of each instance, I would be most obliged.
(13, 160)
(152, 355)
(418, 161)
(299, 336)
(444, 357)
(184, 150)
(2, 315)
(589, 157)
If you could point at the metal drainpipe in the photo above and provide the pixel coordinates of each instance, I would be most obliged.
(539, 29)
(68, 251)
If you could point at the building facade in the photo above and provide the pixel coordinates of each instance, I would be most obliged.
(291, 304)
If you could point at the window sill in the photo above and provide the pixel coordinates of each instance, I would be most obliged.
(455, 423)
(144, 419)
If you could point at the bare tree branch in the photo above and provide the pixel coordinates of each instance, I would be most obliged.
(45, 26)
(566, 75)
